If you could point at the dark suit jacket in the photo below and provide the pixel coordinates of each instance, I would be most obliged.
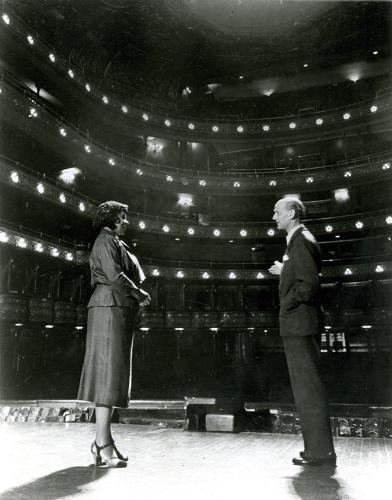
(299, 286)
(113, 273)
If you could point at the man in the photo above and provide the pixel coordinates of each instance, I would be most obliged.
(299, 321)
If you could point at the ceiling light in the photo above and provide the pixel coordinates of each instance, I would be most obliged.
(82, 206)
(169, 178)
(87, 87)
(87, 148)
(348, 271)
(266, 128)
(259, 276)
(346, 116)
(21, 242)
(14, 177)
(306, 65)
(176, 239)
(268, 92)
(105, 99)
(40, 188)
(373, 108)
(54, 252)
(49, 326)
(240, 129)
(271, 232)
(241, 77)
(185, 200)
(191, 126)
(62, 198)
(167, 123)
(337, 236)
(71, 73)
(292, 125)
(359, 224)
(69, 256)
(5, 18)
(63, 132)
(191, 231)
(386, 166)
(375, 52)
(232, 276)
(165, 228)
(52, 57)
(180, 274)
(145, 116)
(272, 182)
(236, 184)
(142, 224)
(33, 113)
(215, 128)
(216, 232)
(202, 182)
(380, 268)
(155, 272)
(139, 171)
(18, 324)
(319, 121)
(341, 194)
(124, 109)
(329, 228)
(243, 232)
(30, 39)
(309, 180)
(205, 275)
(4, 237)
(388, 220)
(214, 329)
(111, 161)
(348, 173)
(188, 90)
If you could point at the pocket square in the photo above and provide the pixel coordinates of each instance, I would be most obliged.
(285, 257)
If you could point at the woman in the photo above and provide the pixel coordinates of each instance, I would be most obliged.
(112, 313)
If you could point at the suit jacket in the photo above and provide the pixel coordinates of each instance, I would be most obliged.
(115, 273)
(299, 286)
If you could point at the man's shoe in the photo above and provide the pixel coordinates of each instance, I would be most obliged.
(330, 459)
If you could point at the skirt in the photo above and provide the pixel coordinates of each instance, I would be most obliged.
(106, 373)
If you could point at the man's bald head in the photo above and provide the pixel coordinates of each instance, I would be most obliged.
(288, 212)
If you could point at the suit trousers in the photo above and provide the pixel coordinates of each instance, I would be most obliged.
(303, 361)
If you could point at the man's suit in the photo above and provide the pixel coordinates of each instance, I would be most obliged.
(299, 320)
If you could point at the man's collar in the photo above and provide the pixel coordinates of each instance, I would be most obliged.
(292, 231)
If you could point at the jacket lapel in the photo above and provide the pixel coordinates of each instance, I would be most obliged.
(296, 233)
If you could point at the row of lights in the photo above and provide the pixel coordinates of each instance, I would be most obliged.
(191, 126)
(38, 247)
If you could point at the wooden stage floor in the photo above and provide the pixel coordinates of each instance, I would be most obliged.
(50, 461)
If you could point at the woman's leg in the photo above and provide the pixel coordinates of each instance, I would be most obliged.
(103, 416)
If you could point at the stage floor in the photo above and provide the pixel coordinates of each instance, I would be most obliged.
(50, 461)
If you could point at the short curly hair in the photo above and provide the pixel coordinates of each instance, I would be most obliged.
(107, 214)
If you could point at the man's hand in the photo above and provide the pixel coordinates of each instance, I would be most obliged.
(276, 268)
(146, 298)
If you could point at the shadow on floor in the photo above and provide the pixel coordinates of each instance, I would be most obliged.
(318, 483)
(59, 484)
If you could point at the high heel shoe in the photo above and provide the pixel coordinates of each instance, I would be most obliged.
(112, 463)
(119, 455)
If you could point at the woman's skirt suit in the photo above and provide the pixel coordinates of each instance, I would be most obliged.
(112, 313)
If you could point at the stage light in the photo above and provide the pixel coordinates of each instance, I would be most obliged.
(348, 173)
(272, 182)
(191, 126)
(373, 108)
(40, 188)
(337, 236)
(4, 238)
(63, 132)
(266, 128)
(243, 232)
(52, 57)
(241, 77)
(232, 276)
(216, 232)
(319, 121)
(87, 87)
(346, 116)
(169, 178)
(30, 39)
(268, 92)
(205, 276)
(388, 220)
(54, 252)
(5, 18)
(366, 327)
(329, 228)
(309, 180)
(359, 224)
(14, 177)
(380, 269)
(142, 224)
(167, 123)
(386, 166)
(62, 198)
(191, 231)
(145, 117)
(79, 327)
(240, 129)
(188, 90)
(213, 329)
(259, 276)
(155, 272)
(124, 109)
(69, 256)
(139, 171)
(18, 324)
(165, 228)
(111, 161)
(49, 327)
(202, 182)
(215, 128)
(71, 73)
(236, 184)
(180, 274)
(82, 206)
(348, 271)
(292, 125)
(341, 194)
(38, 247)
(87, 148)
(21, 242)
(33, 113)
(271, 232)
(375, 52)
(306, 65)
(105, 99)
